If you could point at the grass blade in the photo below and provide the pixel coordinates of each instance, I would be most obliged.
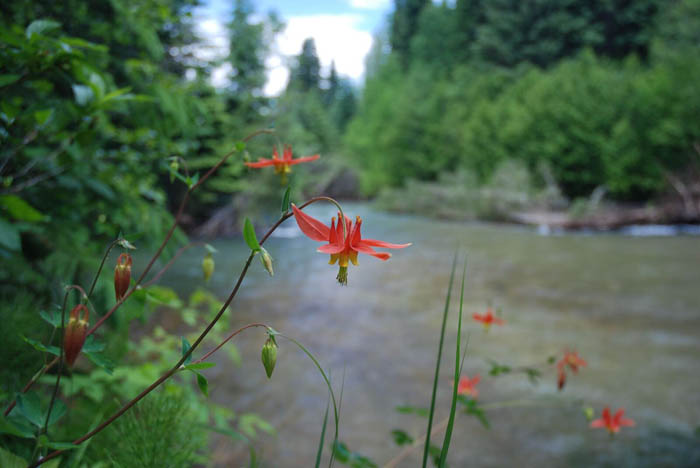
(458, 371)
(431, 414)
(323, 435)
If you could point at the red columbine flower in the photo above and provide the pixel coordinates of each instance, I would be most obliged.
(75, 334)
(614, 423)
(571, 360)
(488, 319)
(342, 249)
(282, 165)
(467, 386)
(122, 275)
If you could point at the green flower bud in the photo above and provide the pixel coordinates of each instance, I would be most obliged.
(269, 356)
(208, 266)
(174, 167)
(266, 260)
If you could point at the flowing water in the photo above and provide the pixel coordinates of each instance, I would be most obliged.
(629, 305)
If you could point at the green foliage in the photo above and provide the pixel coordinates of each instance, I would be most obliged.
(159, 428)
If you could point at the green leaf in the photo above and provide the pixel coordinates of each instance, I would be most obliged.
(19, 209)
(100, 361)
(10, 460)
(59, 409)
(83, 94)
(53, 318)
(285, 200)
(43, 116)
(8, 79)
(472, 407)
(45, 442)
(248, 423)
(249, 235)
(401, 437)
(202, 383)
(6, 427)
(9, 236)
(92, 345)
(200, 366)
(186, 347)
(39, 346)
(29, 406)
(40, 26)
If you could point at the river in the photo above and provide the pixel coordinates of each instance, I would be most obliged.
(629, 305)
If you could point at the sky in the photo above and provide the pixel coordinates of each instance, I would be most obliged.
(341, 29)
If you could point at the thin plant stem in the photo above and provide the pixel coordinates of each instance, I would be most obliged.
(455, 386)
(157, 276)
(431, 414)
(102, 264)
(227, 339)
(169, 234)
(194, 346)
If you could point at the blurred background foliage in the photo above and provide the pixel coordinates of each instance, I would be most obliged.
(470, 108)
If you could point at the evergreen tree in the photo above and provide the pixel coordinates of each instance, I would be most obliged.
(404, 25)
(305, 74)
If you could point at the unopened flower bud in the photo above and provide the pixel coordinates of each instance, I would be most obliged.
(269, 356)
(75, 333)
(174, 167)
(266, 260)
(122, 275)
(208, 266)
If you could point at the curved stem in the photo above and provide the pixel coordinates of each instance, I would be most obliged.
(169, 234)
(171, 262)
(227, 339)
(189, 352)
(102, 264)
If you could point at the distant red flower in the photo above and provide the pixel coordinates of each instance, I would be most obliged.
(467, 386)
(614, 423)
(488, 319)
(75, 333)
(342, 249)
(122, 275)
(282, 165)
(571, 360)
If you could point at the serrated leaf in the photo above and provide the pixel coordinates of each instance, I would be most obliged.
(39, 346)
(39, 26)
(29, 407)
(186, 347)
(200, 366)
(249, 235)
(285, 200)
(202, 383)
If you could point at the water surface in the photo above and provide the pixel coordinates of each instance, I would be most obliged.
(629, 305)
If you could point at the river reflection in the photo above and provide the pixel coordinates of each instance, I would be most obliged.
(630, 306)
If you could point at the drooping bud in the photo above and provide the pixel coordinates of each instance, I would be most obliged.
(75, 333)
(122, 275)
(266, 260)
(269, 356)
(561, 380)
(208, 266)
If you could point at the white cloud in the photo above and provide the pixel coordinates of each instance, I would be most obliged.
(338, 38)
(370, 4)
